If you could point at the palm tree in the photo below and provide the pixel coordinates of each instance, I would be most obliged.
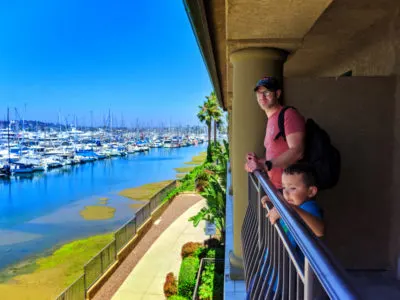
(216, 113)
(206, 114)
(217, 123)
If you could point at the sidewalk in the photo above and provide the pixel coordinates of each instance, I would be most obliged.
(147, 279)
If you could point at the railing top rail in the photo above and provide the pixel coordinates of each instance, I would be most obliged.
(328, 271)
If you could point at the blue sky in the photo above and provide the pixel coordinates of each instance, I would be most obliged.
(138, 58)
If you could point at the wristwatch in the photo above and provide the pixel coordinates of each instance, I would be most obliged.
(268, 165)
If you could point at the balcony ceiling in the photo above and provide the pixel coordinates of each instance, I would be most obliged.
(311, 30)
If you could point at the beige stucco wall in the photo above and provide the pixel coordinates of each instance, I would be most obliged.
(377, 52)
(357, 210)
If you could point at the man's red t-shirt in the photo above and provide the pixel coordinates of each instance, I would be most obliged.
(294, 122)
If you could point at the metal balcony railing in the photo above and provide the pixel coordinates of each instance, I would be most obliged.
(273, 268)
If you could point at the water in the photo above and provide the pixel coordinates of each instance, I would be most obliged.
(40, 212)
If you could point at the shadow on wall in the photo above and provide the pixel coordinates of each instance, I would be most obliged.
(358, 114)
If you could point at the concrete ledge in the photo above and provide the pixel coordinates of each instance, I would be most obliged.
(127, 249)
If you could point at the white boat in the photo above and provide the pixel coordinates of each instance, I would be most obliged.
(20, 168)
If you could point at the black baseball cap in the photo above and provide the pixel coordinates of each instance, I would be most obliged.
(270, 83)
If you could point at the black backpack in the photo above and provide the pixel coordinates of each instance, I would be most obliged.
(319, 152)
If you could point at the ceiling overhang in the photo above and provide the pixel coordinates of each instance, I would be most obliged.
(312, 31)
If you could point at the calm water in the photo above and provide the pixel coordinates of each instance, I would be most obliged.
(39, 212)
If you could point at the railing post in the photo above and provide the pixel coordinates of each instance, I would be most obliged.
(308, 280)
(84, 282)
(126, 235)
(101, 261)
(115, 247)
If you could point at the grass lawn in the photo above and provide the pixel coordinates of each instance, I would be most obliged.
(146, 191)
(198, 159)
(47, 277)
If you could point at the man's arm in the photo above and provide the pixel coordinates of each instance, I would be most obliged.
(315, 223)
(295, 152)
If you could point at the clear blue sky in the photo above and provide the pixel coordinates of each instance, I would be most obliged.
(138, 58)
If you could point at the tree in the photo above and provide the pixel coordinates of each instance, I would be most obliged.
(205, 116)
(214, 212)
(210, 111)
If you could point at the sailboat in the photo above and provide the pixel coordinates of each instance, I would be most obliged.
(5, 170)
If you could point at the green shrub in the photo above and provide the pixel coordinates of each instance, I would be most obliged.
(177, 297)
(189, 249)
(187, 276)
(200, 252)
(215, 253)
(211, 286)
(170, 285)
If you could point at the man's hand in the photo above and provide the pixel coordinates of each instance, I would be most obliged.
(273, 216)
(251, 155)
(252, 163)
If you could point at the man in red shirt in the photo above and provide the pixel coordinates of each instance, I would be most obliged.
(279, 153)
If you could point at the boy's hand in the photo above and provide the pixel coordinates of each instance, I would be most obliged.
(264, 201)
(273, 216)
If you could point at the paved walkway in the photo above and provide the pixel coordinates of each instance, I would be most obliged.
(147, 279)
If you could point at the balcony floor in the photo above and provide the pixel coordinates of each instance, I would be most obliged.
(233, 289)
(376, 284)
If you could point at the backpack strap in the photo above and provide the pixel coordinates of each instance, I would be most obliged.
(281, 123)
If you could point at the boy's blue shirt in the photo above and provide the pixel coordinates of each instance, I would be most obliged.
(312, 208)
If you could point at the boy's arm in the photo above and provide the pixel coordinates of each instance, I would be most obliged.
(315, 223)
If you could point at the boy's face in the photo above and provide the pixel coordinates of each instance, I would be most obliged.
(295, 191)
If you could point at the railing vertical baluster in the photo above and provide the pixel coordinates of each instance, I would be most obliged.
(308, 281)
(274, 253)
(285, 278)
(280, 269)
(266, 272)
(260, 216)
(299, 288)
(292, 284)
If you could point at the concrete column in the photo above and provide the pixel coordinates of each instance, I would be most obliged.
(249, 121)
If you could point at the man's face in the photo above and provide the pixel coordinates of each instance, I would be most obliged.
(267, 99)
(295, 191)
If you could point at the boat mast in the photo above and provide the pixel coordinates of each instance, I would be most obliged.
(8, 133)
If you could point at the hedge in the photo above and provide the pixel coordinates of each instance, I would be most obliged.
(177, 297)
(187, 276)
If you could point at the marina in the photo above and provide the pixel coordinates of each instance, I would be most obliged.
(26, 152)
(52, 182)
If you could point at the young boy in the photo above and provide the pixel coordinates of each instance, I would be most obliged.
(299, 191)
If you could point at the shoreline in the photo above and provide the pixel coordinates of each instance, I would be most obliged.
(28, 276)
